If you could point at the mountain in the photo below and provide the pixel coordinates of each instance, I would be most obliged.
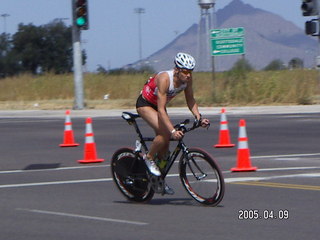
(267, 37)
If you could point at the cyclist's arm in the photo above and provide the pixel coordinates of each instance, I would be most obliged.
(192, 105)
(191, 102)
(163, 85)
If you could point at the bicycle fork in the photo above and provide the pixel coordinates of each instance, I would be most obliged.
(193, 165)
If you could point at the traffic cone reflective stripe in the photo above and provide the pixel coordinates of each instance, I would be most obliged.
(224, 135)
(89, 138)
(243, 139)
(89, 131)
(243, 153)
(90, 152)
(68, 137)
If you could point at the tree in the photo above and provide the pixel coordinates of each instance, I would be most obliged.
(275, 65)
(242, 65)
(46, 48)
(28, 45)
(57, 48)
(240, 69)
(295, 63)
(8, 61)
(101, 69)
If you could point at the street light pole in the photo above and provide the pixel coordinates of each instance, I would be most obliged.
(5, 15)
(139, 11)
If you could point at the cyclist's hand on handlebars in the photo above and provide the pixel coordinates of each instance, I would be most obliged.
(205, 122)
(176, 135)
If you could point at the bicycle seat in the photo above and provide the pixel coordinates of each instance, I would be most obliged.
(128, 116)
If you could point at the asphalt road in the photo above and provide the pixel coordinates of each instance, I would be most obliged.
(46, 194)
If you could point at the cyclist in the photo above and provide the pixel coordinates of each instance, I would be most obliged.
(151, 106)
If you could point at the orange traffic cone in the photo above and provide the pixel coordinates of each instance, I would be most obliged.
(68, 138)
(90, 153)
(243, 158)
(224, 136)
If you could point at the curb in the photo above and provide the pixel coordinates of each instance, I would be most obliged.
(207, 111)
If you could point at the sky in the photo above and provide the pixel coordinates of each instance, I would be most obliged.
(112, 40)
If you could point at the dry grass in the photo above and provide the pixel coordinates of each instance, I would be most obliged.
(255, 88)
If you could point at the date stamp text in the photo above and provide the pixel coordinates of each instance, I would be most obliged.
(256, 214)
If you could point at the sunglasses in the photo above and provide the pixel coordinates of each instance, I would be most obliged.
(186, 71)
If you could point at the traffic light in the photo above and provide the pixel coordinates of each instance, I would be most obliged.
(81, 19)
(309, 7)
(311, 27)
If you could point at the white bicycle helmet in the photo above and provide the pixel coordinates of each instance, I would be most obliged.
(184, 60)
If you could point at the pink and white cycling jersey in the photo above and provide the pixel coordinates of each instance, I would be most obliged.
(150, 89)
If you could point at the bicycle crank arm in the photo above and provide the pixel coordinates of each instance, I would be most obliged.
(157, 184)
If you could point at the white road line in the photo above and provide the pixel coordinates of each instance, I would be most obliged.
(83, 216)
(246, 179)
(54, 183)
(52, 169)
(108, 165)
(285, 169)
(97, 166)
(232, 179)
(280, 169)
(287, 155)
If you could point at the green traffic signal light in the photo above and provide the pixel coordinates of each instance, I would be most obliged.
(81, 21)
(81, 14)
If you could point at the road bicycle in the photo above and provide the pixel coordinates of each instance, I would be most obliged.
(199, 173)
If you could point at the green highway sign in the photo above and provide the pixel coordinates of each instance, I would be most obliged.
(227, 32)
(227, 41)
(227, 46)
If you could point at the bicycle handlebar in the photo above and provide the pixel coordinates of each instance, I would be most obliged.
(182, 126)
(130, 118)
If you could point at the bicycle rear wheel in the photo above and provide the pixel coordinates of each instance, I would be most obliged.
(201, 177)
(131, 176)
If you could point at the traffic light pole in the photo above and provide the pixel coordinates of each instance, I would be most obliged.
(318, 57)
(312, 8)
(77, 64)
(77, 70)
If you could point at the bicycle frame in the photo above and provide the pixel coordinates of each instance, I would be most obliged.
(141, 143)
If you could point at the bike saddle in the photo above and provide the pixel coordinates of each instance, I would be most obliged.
(128, 116)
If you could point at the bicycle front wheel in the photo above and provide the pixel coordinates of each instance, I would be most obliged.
(130, 175)
(201, 177)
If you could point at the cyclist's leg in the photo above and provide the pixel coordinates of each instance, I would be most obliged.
(164, 137)
(160, 143)
(149, 115)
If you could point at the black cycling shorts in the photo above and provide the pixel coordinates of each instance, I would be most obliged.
(141, 102)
